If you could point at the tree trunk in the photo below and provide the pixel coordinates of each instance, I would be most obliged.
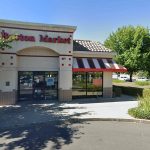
(131, 73)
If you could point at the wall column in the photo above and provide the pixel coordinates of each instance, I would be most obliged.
(107, 84)
(65, 78)
(8, 87)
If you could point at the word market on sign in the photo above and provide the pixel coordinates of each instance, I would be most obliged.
(54, 40)
(42, 38)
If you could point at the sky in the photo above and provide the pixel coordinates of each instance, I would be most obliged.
(95, 19)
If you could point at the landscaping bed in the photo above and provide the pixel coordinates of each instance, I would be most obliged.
(133, 91)
(139, 89)
(130, 88)
(143, 109)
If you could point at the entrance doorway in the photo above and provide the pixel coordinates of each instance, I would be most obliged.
(37, 85)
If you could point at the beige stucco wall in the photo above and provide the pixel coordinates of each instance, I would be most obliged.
(9, 60)
(36, 56)
(107, 79)
(37, 51)
(30, 59)
(65, 77)
(8, 72)
(107, 84)
(60, 48)
(38, 63)
(8, 76)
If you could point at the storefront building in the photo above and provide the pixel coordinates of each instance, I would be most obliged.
(45, 63)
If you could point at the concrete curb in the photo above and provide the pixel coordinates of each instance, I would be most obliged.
(78, 120)
(113, 119)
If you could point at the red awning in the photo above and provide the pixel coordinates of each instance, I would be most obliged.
(96, 65)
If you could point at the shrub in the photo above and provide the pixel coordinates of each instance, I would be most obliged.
(139, 113)
(144, 102)
(146, 93)
(143, 109)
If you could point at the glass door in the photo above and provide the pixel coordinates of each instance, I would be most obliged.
(38, 85)
(45, 85)
(51, 89)
(25, 79)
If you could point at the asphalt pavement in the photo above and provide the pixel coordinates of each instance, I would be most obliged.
(84, 135)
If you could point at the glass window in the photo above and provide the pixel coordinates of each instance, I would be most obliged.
(79, 84)
(94, 84)
(87, 84)
(51, 89)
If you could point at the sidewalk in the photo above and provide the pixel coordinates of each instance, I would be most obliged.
(100, 110)
(25, 113)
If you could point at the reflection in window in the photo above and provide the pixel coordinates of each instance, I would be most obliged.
(94, 84)
(87, 84)
(38, 85)
(79, 84)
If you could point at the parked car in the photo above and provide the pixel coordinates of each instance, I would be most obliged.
(142, 79)
(114, 76)
(124, 77)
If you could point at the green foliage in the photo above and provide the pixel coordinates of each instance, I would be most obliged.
(132, 45)
(139, 112)
(142, 83)
(146, 93)
(143, 74)
(143, 109)
(5, 43)
(118, 81)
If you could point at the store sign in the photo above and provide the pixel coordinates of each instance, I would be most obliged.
(58, 39)
(42, 38)
(20, 37)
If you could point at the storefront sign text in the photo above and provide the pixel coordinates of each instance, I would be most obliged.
(42, 38)
(20, 37)
(54, 40)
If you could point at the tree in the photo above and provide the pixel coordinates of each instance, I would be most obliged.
(5, 43)
(132, 45)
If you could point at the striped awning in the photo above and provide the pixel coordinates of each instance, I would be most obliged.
(96, 65)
